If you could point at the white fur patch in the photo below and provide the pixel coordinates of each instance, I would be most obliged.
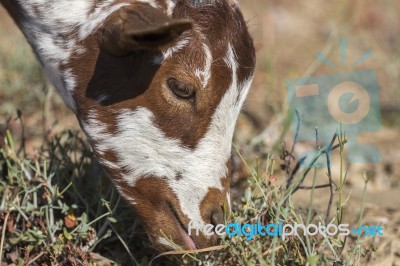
(149, 2)
(94, 19)
(44, 24)
(143, 149)
(168, 53)
(170, 7)
(179, 46)
(205, 74)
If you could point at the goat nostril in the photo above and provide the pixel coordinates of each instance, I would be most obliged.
(217, 217)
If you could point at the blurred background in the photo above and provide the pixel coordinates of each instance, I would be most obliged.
(288, 35)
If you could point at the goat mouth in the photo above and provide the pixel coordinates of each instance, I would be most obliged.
(187, 240)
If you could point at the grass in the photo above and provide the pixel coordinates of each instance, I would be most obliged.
(49, 216)
(60, 209)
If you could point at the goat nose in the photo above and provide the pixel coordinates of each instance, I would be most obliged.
(217, 216)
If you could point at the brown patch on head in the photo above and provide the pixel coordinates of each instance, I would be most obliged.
(211, 211)
(161, 215)
(119, 80)
(215, 202)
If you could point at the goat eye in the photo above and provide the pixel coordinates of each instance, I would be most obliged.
(180, 89)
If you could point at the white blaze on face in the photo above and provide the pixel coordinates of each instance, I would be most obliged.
(143, 149)
(205, 74)
(169, 52)
(170, 6)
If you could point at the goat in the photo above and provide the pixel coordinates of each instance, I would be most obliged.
(157, 86)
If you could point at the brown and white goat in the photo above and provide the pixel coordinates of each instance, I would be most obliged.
(157, 86)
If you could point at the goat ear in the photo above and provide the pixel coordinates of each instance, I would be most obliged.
(140, 27)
